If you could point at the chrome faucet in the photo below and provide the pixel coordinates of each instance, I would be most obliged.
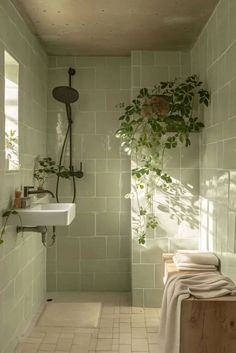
(28, 192)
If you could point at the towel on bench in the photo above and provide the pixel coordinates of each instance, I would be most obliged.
(180, 287)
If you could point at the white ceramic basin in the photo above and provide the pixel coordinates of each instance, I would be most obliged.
(45, 214)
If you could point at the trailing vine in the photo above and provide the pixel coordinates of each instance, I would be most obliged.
(154, 122)
(6, 214)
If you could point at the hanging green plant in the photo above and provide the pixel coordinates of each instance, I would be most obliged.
(154, 122)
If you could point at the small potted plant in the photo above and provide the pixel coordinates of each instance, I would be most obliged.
(45, 168)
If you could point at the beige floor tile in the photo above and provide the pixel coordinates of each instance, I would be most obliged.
(93, 344)
(125, 348)
(154, 329)
(108, 310)
(138, 324)
(105, 335)
(152, 323)
(51, 329)
(78, 349)
(47, 347)
(138, 332)
(139, 345)
(64, 344)
(115, 335)
(105, 332)
(115, 341)
(29, 347)
(153, 338)
(125, 338)
(115, 347)
(154, 348)
(82, 340)
(66, 336)
(106, 323)
(108, 351)
(51, 338)
(137, 318)
(104, 344)
(125, 327)
(36, 334)
(85, 330)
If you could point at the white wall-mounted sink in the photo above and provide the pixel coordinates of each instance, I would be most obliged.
(45, 214)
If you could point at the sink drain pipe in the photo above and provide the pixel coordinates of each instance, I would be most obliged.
(39, 229)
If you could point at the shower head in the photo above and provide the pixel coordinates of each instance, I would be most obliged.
(65, 94)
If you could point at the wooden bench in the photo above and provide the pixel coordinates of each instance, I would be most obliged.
(207, 325)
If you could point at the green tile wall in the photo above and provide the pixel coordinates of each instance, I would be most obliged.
(213, 57)
(22, 260)
(100, 254)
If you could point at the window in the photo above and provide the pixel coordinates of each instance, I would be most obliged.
(11, 112)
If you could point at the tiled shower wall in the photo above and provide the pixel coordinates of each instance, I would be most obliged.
(214, 57)
(178, 224)
(22, 259)
(93, 253)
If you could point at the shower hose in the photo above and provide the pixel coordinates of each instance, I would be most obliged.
(68, 136)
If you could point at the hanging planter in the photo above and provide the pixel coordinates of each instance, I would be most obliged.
(154, 122)
(157, 104)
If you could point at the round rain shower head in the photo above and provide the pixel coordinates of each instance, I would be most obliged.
(65, 94)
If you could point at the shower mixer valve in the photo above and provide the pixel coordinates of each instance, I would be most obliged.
(79, 174)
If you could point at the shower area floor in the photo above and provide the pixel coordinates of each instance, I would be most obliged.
(120, 327)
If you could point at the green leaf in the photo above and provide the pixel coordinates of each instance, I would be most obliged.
(6, 213)
(143, 92)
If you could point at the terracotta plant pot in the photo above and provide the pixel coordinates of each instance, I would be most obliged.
(157, 104)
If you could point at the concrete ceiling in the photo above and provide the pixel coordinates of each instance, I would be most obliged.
(115, 27)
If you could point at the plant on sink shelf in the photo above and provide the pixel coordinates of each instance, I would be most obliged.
(47, 167)
(154, 122)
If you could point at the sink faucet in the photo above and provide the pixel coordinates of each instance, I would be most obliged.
(28, 192)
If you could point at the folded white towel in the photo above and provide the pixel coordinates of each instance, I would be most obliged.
(193, 267)
(199, 269)
(180, 287)
(196, 257)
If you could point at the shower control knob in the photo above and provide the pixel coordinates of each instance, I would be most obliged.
(79, 174)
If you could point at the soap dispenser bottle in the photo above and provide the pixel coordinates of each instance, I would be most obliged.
(17, 199)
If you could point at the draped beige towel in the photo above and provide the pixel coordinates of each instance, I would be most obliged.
(180, 287)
